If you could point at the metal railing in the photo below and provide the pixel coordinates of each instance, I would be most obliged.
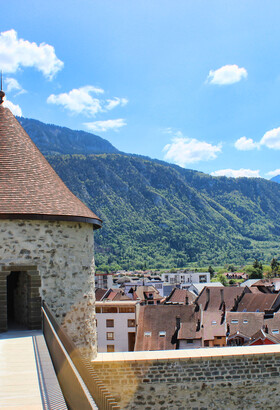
(78, 381)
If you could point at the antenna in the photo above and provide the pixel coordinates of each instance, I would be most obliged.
(2, 94)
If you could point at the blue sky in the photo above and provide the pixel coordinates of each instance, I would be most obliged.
(196, 83)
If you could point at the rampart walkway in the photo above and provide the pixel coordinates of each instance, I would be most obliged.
(27, 377)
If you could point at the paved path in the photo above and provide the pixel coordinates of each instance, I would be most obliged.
(27, 378)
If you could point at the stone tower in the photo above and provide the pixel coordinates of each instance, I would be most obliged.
(46, 241)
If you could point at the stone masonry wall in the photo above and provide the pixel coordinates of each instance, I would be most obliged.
(247, 381)
(63, 255)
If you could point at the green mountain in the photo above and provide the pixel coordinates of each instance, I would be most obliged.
(52, 139)
(161, 216)
(276, 179)
(158, 215)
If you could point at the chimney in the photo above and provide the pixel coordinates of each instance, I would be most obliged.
(207, 298)
(187, 300)
(178, 322)
(222, 296)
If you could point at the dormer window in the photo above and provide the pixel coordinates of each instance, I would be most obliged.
(275, 331)
(162, 334)
(234, 321)
(245, 321)
(147, 334)
(214, 322)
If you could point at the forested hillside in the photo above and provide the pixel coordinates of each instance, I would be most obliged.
(52, 139)
(161, 216)
(158, 215)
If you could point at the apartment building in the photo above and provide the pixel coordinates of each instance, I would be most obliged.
(116, 325)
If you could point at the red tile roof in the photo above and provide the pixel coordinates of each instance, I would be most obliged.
(217, 295)
(259, 302)
(213, 325)
(157, 326)
(29, 187)
(245, 323)
(180, 296)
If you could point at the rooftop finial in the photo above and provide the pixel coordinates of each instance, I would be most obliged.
(2, 94)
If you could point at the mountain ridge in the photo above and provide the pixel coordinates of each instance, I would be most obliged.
(159, 215)
(54, 139)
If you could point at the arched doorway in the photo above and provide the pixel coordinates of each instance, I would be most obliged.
(21, 302)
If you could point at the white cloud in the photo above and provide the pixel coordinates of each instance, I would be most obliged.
(237, 173)
(13, 85)
(115, 102)
(16, 110)
(79, 100)
(184, 151)
(274, 173)
(271, 139)
(103, 126)
(16, 53)
(228, 74)
(246, 144)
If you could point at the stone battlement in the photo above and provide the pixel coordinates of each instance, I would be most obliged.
(220, 378)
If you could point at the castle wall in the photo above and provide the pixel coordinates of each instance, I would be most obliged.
(215, 378)
(62, 252)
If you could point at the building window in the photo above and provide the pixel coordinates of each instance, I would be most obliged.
(202, 279)
(126, 310)
(98, 310)
(130, 322)
(110, 348)
(189, 341)
(162, 334)
(109, 322)
(110, 335)
(109, 309)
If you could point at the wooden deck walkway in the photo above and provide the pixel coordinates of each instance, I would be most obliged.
(27, 377)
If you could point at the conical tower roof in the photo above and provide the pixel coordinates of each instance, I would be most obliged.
(29, 187)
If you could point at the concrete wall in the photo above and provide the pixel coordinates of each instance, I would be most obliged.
(217, 378)
(62, 252)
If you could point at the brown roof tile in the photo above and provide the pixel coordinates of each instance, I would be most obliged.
(180, 296)
(213, 325)
(246, 323)
(154, 319)
(259, 302)
(29, 187)
(217, 295)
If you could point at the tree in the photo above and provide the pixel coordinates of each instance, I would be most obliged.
(222, 278)
(255, 271)
(211, 271)
(274, 264)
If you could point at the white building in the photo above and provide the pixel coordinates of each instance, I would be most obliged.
(103, 280)
(180, 278)
(116, 325)
(156, 283)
